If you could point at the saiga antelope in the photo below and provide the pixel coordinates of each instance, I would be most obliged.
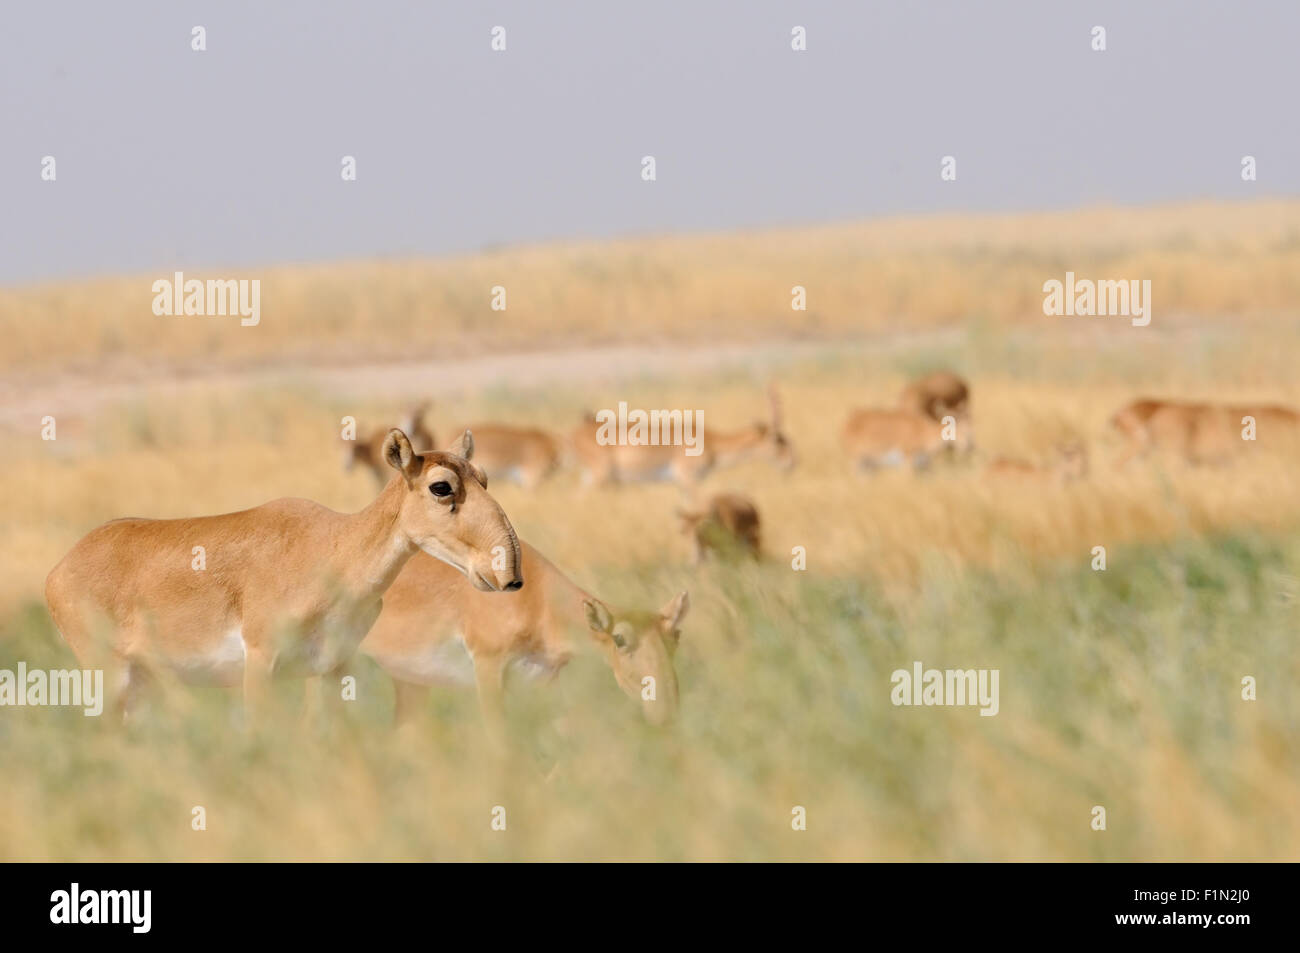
(1145, 424)
(369, 450)
(1197, 432)
(523, 455)
(886, 437)
(288, 587)
(1071, 464)
(429, 609)
(728, 523)
(936, 395)
(602, 464)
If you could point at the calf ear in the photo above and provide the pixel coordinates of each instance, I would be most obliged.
(676, 610)
(598, 616)
(400, 456)
(464, 446)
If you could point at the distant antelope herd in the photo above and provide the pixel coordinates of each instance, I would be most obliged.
(431, 582)
(623, 463)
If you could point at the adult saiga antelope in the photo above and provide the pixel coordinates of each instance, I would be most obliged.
(936, 395)
(523, 455)
(1146, 424)
(879, 437)
(605, 464)
(288, 587)
(432, 618)
(369, 450)
(1198, 432)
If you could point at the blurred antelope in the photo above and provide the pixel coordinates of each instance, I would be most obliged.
(523, 455)
(729, 523)
(1071, 464)
(886, 437)
(286, 588)
(369, 450)
(619, 463)
(936, 395)
(1196, 432)
(431, 619)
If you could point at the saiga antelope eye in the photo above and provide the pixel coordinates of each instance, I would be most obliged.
(441, 488)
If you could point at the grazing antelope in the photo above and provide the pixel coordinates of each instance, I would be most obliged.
(936, 395)
(728, 524)
(369, 450)
(288, 587)
(1146, 423)
(887, 437)
(431, 619)
(523, 455)
(624, 463)
(1071, 464)
(1197, 432)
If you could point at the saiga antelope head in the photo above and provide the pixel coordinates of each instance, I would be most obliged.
(640, 646)
(447, 512)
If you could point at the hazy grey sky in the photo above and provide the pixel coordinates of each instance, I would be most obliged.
(169, 158)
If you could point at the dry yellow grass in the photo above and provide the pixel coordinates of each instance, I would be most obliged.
(1208, 259)
(1119, 688)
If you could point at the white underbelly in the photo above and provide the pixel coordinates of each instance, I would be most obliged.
(220, 661)
(447, 663)
(532, 667)
(223, 660)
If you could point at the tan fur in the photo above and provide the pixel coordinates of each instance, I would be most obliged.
(891, 437)
(936, 395)
(543, 625)
(620, 464)
(288, 587)
(1199, 433)
(368, 450)
(728, 523)
(523, 455)
(1070, 464)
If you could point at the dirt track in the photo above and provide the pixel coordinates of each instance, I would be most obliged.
(24, 401)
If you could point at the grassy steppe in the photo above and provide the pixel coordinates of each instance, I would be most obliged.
(1118, 688)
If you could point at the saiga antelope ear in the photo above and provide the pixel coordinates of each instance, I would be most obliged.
(400, 456)
(676, 610)
(598, 616)
(464, 446)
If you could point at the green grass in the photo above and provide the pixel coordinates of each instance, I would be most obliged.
(1119, 688)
